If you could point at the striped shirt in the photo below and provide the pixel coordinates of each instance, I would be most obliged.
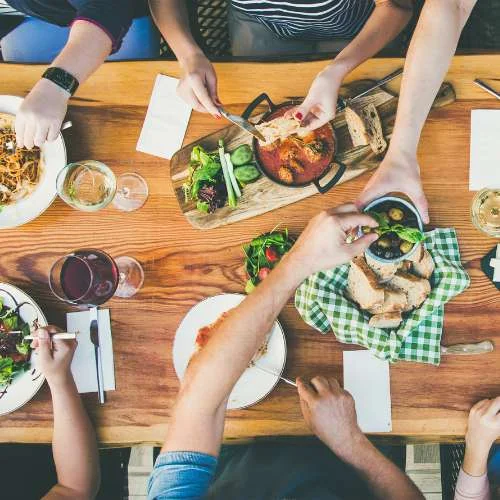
(310, 19)
(6, 9)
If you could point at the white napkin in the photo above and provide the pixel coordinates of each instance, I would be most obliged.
(83, 366)
(367, 379)
(166, 120)
(484, 149)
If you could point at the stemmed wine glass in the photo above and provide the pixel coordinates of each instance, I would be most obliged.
(91, 277)
(91, 185)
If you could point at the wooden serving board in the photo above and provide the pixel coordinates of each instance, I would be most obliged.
(264, 195)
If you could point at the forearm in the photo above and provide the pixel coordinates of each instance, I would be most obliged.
(384, 478)
(385, 23)
(171, 17)
(87, 48)
(431, 49)
(74, 442)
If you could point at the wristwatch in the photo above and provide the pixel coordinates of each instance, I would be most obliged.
(62, 79)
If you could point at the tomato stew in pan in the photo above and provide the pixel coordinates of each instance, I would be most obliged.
(296, 161)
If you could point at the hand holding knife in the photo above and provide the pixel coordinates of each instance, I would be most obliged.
(94, 337)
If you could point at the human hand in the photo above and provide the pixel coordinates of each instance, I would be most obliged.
(55, 356)
(41, 114)
(323, 243)
(198, 85)
(330, 413)
(320, 104)
(397, 173)
(483, 430)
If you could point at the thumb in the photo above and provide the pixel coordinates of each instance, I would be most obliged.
(44, 348)
(302, 110)
(358, 246)
(420, 202)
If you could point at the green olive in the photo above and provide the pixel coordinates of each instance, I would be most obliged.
(366, 229)
(405, 246)
(384, 243)
(396, 214)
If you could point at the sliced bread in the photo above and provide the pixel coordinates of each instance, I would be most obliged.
(383, 270)
(394, 300)
(362, 284)
(416, 289)
(386, 320)
(425, 266)
(365, 127)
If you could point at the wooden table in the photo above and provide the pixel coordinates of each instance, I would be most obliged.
(184, 265)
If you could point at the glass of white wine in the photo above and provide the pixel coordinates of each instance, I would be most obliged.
(485, 211)
(91, 185)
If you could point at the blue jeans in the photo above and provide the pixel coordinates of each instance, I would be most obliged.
(36, 41)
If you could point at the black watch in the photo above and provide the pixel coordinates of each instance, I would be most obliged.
(62, 79)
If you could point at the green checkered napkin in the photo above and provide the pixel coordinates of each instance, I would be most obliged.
(321, 302)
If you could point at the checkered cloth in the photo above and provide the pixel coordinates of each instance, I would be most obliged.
(321, 302)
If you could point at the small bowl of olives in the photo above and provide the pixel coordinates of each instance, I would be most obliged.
(400, 229)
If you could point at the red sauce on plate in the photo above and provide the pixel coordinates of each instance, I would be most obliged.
(282, 153)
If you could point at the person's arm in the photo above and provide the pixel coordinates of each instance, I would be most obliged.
(330, 413)
(385, 23)
(198, 86)
(431, 49)
(73, 443)
(483, 430)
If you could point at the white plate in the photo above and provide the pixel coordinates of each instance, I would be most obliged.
(254, 384)
(53, 158)
(25, 385)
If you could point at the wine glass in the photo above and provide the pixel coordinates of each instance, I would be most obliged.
(91, 277)
(485, 211)
(91, 185)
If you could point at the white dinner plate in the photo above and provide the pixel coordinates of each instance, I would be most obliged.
(25, 385)
(53, 160)
(254, 384)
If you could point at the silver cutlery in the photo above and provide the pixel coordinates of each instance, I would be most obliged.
(242, 123)
(276, 374)
(12, 146)
(487, 88)
(464, 349)
(94, 337)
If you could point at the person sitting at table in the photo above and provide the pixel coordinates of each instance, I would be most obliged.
(431, 49)
(360, 28)
(77, 36)
(188, 461)
(482, 432)
(74, 442)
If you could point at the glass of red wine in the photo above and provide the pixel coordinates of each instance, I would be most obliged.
(91, 277)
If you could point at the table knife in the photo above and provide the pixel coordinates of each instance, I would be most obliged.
(94, 337)
(276, 374)
(463, 349)
(487, 88)
(239, 121)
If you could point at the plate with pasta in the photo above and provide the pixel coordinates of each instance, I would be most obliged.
(27, 177)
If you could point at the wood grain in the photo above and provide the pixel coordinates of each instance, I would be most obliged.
(184, 265)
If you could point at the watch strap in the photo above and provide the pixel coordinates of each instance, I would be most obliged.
(62, 79)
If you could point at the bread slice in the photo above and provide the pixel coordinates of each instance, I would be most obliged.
(365, 127)
(383, 270)
(425, 266)
(416, 289)
(362, 284)
(386, 320)
(417, 255)
(394, 301)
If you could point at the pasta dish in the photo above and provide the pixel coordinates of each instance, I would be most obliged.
(20, 168)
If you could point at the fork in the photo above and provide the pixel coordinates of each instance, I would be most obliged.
(11, 146)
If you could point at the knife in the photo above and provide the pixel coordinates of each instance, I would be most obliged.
(487, 88)
(94, 337)
(463, 349)
(242, 123)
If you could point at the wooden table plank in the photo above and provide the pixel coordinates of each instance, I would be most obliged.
(184, 265)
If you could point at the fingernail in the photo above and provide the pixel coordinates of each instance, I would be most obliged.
(299, 115)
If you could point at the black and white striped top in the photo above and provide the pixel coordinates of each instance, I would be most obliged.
(310, 19)
(6, 9)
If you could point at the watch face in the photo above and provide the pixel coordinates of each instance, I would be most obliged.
(62, 78)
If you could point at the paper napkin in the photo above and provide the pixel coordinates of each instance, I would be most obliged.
(166, 120)
(484, 149)
(367, 379)
(83, 366)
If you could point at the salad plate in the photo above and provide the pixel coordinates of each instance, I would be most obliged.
(22, 382)
(254, 384)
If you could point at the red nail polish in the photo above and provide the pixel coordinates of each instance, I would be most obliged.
(298, 115)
